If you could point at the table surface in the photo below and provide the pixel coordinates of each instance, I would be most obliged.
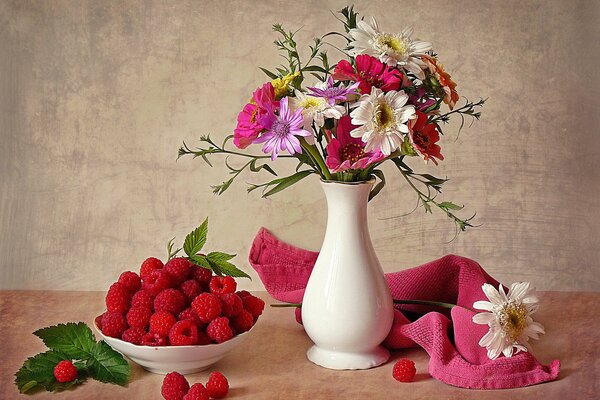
(272, 364)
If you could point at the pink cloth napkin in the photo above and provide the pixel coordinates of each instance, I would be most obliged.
(285, 269)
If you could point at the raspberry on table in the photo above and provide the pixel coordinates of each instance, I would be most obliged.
(113, 324)
(190, 289)
(170, 300)
(133, 335)
(131, 281)
(404, 370)
(118, 299)
(197, 392)
(217, 385)
(161, 323)
(138, 317)
(174, 386)
(183, 333)
(154, 339)
(242, 322)
(143, 298)
(207, 306)
(254, 305)
(156, 282)
(202, 275)
(232, 304)
(65, 371)
(222, 285)
(219, 330)
(149, 265)
(190, 314)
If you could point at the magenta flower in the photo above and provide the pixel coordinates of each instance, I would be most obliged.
(249, 126)
(346, 152)
(420, 100)
(333, 93)
(369, 72)
(281, 130)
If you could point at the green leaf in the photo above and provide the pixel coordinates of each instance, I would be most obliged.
(38, 373)
(314, 68)
(196, 239)
(448, 205)
(220, 264)
(286, 182)
(257, 168)
(379, 185)
(108, 366)
(200, 261)
(75, 341)
(268, 73)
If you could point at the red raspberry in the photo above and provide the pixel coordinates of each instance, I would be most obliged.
(178, 269)
(98, 321)
(254, 305)
(131, 281)
(190, 289)
(217, 385)
(190, 314)
(139, 317)
(65, 371)
(243, 293)
(183, 333)
(113, 324)
(118, 298)
(219, 330)
(222, 285)
(243, 321)
(203, 338)
(154, 339)
(156, 282)
(170, 300)
(133, 335)
(202, 275)
(174, 386)
(207, 307)
(197, 392)
(150, 265)
(143, 298)
(404, 370)
(232, 304)
(161, 322)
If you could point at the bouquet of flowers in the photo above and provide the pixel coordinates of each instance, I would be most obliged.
(387, 100)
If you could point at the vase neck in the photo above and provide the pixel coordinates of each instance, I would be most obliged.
(345, 199)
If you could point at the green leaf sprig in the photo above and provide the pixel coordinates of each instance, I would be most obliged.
(74, 342)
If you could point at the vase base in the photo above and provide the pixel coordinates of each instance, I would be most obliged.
(343, 360)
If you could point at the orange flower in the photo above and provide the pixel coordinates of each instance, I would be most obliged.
(444, 80)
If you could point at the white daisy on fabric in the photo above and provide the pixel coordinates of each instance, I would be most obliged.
(316, 109)
(509, 319)
(382, 119)
(391, 48)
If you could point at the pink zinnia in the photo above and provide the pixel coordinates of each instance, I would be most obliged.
(281, 130)
(423, 137)
(346, 152)
(249, 126)
(369, 72)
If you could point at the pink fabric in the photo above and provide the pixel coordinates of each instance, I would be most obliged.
(285, 269)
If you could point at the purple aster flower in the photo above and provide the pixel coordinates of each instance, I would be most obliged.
(281, 130)
(332, 93)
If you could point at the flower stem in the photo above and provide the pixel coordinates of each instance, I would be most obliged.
(314, 154)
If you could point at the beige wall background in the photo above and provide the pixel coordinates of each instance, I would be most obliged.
(97, 96)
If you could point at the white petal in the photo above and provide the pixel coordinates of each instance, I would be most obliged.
(492, 294)
(483, 305)
(508, 351)
(483, 318)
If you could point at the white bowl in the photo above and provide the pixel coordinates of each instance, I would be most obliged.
(165, 359)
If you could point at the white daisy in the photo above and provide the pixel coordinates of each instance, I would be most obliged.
(509, 319)
(391, 48)
(382, 119)
(316, 109)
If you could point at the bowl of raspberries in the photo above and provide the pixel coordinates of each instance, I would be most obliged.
(176, 316)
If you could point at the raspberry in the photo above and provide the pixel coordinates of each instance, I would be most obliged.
(183, 333)
(174, 386)
(98, 321)
(404, 370)
(243, 293)
(161, 322)
(113, 324)
(178, 269)
(154, 339)
(254, 305)
(156, 282)
(170, 300)
(118, 298)
(222, 285)
(202, 275)
(143, 298)
(190, 314)
(217, 385)
(190, 289)
(203, 338)
(232, 304)
(138, 317)
(243, 321)
(65, 371)
(207, 307)
(197, 392)
(133, 335)
(150, 265)
(131, 281)
(219, 330)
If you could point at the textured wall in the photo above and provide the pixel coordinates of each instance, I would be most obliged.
(96, 96)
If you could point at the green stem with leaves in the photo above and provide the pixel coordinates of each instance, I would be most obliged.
(314, 154)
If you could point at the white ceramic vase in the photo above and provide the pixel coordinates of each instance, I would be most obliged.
(347, 309)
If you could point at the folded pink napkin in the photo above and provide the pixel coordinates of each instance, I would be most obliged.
(285, 269)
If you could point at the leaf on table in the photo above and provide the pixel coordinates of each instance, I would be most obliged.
(75, 341)
(109, 366)
(38, 373)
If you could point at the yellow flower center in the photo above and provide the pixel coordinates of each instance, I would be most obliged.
(309, 102)
(513, 319)
(352, 152)
(383, 117)
(393, 43)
